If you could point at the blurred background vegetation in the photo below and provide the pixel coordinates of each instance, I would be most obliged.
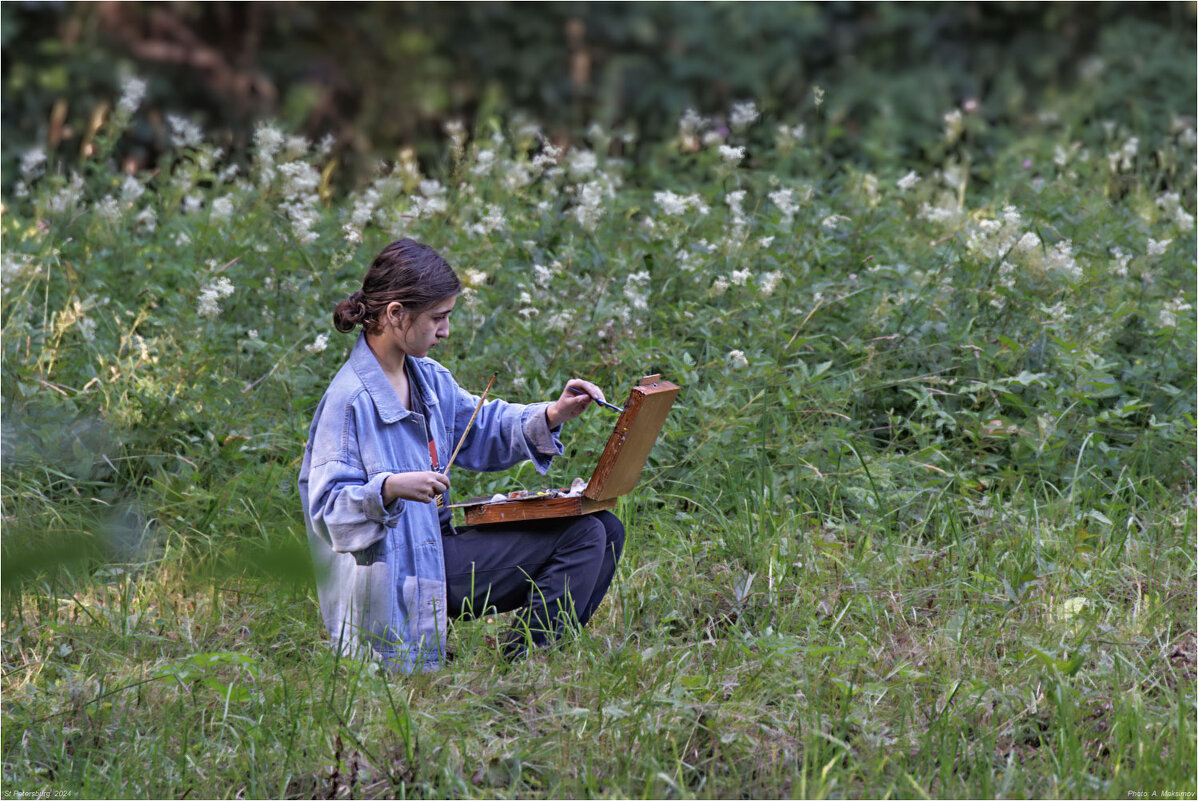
(378, 76)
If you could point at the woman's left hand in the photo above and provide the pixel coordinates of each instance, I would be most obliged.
(571, 404)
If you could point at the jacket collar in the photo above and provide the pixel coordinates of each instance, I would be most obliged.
(386, 400)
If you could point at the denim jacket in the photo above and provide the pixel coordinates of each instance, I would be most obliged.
(380, 568)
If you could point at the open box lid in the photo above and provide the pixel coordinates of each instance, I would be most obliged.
(636, 431)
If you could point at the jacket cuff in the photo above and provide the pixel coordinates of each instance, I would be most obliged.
(376, 511)
(543, 440)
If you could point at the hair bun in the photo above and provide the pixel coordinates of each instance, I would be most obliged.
(349, 313)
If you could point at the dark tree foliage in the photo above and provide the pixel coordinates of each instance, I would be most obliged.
(378, 75)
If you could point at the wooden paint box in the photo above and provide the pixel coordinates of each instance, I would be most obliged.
(615, 474)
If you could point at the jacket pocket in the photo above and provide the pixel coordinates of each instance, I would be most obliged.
(374, 597)
(424, 603)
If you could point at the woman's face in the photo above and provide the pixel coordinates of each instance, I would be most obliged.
(415, 336)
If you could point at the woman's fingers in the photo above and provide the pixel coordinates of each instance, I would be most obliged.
(581, 386)
(420, 485)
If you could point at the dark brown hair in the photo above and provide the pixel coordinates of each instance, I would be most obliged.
(406, 272)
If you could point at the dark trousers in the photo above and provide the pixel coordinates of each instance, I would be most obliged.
(554, 572)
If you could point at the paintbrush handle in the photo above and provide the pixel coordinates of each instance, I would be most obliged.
(468, 425)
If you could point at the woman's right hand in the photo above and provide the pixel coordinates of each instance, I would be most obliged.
(420, 486)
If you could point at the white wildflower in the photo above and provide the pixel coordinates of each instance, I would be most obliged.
(491, 220)
(1121, 160)
(769, 282)
(719, 286)
(296, 147)
(1057, 313)
(68, 197)
(735, 201)
(146, 220)
(456, 132)
(817, 92)
(543, 276)
(483, 162)
(833, 220)
(303, 217)
(676, 205)
(1158, 247)
(740, 277)
(732, 155)
(318, 346)
(712, 137)
(635, 290)
(109, 210)
(1170, 203)
(765, 242)
(743, 115)
(549, 156)
(300, 179)
(869, 186)
(787, 137)
(267, 141)
(560, 320)
(211, 294)
(952, 176)
(15, 268)
(516, 177)
(908, 181)
(222, 209)
(184, 132)
(784, 199)
(364, 208)
(1122, 259)
(133, 91)
(581, 163)
(589, 208)
(954, 125)
(945, 212)
(737, 360)
(32, 163)
(1173, 307)
(690, 123)
(474, 278)
(1060, 259)
(192, 204)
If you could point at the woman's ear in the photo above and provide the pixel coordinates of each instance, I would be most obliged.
(395, 313)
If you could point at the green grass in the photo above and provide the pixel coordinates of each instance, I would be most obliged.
(921, 523)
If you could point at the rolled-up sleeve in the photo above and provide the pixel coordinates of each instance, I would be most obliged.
(350, 510)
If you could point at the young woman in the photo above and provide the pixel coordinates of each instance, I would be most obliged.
(391, 568)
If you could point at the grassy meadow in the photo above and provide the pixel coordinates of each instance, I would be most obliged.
(920, 524)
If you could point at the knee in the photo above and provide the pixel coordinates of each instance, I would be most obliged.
(613, 532)
(587, 533)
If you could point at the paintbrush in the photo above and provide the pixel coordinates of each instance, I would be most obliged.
(611, 406)
(441, 496)
(481, 400)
